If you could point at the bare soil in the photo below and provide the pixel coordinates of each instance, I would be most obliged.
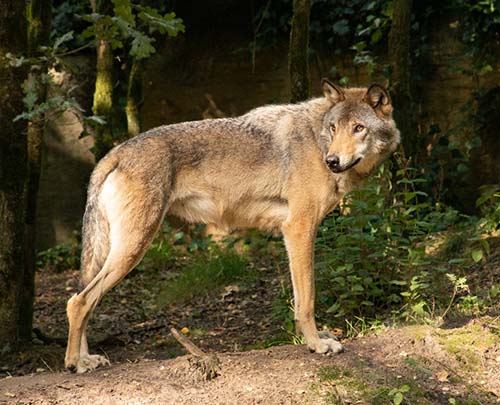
(426, 364)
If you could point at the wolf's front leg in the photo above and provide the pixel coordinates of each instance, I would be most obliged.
(299, 239)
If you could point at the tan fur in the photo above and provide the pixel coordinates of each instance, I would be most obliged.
(278, 167)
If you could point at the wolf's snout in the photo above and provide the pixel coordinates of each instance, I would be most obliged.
(333, 162)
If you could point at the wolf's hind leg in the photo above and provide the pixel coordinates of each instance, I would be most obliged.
(129, 241)
(118, 264)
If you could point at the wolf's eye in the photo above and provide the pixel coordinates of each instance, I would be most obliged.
(359, 128)
(332, 128)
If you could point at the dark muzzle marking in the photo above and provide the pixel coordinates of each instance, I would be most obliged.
(333, 163)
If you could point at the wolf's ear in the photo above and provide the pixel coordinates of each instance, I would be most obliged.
(378, 98)
(332, 92)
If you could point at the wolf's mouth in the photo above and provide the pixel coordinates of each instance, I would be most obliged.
(339, 169)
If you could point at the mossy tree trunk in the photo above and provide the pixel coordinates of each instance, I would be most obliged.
(134, 97)
(13, 146)
(399, 60)
(103, 93)
(298, 63)
(39, 16)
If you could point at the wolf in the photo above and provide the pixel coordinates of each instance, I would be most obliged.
(277, 167)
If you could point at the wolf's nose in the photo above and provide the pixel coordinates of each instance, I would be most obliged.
(333, 161)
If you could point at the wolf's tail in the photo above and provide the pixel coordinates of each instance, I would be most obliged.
(95, 231)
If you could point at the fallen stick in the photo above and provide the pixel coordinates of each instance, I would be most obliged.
(207, 363)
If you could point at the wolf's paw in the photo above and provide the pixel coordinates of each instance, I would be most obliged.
(327, 343)
(88, 363)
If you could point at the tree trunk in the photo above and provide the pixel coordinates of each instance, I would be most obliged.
(399, 60)
(299, 46)
(134, 98)
(103, 94)
(13, 140)
(39, 16)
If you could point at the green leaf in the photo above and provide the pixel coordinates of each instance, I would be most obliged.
(485, 69)
(141, 46)
(344, 80)
(124, 27)
(398, 398)
(477, 255)
(341, 27)
(419, 308)
(62, 39)
(168, 23)
(123, 9)
(95, 120)
(334, 308)
(376, 36)
(30, 89)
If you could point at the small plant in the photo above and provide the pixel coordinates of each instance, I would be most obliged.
(416, 306)
(397, 394)
(60, 257)
(459, 284)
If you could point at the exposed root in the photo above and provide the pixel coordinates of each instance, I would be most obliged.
(207, 363)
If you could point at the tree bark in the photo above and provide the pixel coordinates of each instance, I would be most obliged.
(39, 16)
(134, 98)
(103, 94)
(399, 60)
(13, 141)
(298, 63)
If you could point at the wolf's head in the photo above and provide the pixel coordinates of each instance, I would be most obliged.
(359, 127)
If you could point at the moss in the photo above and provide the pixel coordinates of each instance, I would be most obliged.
(417, 332)
(103, 99)
(134, 97)
(467, 343)
(356, 385)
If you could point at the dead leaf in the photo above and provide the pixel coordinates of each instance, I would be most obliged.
(442, 376)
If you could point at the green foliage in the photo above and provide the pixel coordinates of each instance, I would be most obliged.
(333, 23)
(369, 257)
(489, 205)
(479, 28)
(397, 394)
(65, 19)
(60, 257)
(204, 274)
(37, 105)
(128, 27)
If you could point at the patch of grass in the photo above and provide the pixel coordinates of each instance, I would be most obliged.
(204, 274)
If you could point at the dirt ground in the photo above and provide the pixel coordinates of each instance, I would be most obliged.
(420, 364)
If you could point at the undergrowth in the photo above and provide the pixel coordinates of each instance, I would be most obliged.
(197, 265)
(392, 254)
(203, 275)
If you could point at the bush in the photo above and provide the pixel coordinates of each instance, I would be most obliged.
(374, 261)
